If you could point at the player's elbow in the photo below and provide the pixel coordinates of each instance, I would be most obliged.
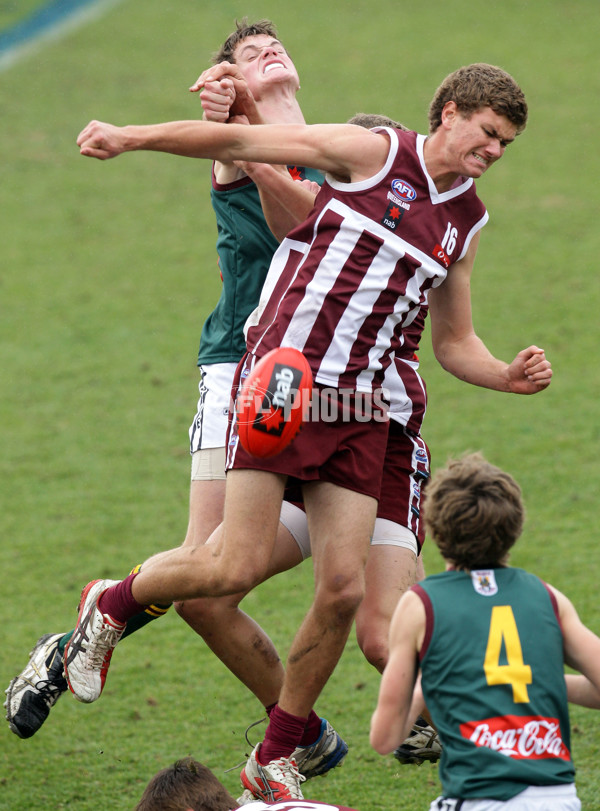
(380, 741)
(443, 357)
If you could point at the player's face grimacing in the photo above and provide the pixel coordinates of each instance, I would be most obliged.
(477, 141)
(263, 61)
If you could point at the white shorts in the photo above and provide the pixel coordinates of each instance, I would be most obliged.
(386, 533)
(294, 519)
(535, 798)
(389, 533)
(209, 428)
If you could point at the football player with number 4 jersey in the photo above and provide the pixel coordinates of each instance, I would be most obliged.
(490, 642)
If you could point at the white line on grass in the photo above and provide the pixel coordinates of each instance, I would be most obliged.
(30, 36)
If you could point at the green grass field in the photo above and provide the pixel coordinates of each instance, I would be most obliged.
(108, 271)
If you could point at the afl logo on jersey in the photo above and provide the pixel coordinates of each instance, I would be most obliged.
(404, 190)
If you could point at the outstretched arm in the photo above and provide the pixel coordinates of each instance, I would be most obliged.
(460, 350)
(348, 152)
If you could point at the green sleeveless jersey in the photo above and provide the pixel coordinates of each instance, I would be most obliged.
(245, 247)
(493, 680)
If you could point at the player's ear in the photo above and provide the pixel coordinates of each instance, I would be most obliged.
(449, 114)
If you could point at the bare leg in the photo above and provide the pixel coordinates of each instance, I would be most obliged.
(207, 504)
(238, 641)
(339, 560)
(389, 572)
(420, 568)
(239, 555)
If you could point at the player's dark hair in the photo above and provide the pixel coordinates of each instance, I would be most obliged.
(473, 87)
(184, 785)
(474, 512)
(370, 120)
(243, 29)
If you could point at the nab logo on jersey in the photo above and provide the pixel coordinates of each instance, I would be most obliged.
(404, 190)
(393, 215)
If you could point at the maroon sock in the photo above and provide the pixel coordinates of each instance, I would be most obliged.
(118, 601)
(282, 736)
(312, 730)
(270, 708)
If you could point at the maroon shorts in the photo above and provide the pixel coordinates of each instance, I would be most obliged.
(336, 444)
(406, 470)
(405, 473)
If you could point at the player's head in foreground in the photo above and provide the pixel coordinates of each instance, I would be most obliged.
(474, 87)
(474, 513)
(186, 785)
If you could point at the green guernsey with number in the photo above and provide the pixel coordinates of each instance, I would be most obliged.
(493, 681)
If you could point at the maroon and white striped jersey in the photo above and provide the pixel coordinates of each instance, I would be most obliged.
(346, 285)
(405, 388)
